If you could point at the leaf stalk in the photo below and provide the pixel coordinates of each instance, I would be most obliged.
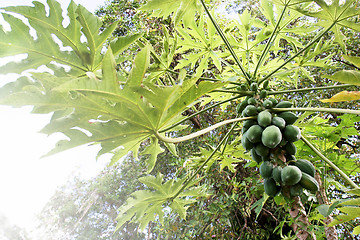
(199, 112)
(205, 162)
(310, 89)
(231, 50)
(201, 132)
(268, 44)
(316, 39)
(346, 177)
(328, 110)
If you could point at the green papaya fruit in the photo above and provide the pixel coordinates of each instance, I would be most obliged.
(271, 136)
(270, 187)
(309, 182)
(283, 104)
(267, 104)
(266, 169)
(279, 122)
(289, 117)
(255, 156)
(250, 110)
(263, 94)
(292, 133)
(241, 106)
(274, 101)
(276, 174)
(261, 150)
(254, 86)
(296, 190)
(290, 175)
(290, 148)
(264, 118)
(254, 133)
(247, 145)
(252, 101)
(266, 84)
(306, 166)
(247, 124)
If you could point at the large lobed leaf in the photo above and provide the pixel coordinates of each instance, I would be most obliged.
(183, 9)
(349, 77)
(337, 14)
(121, 116)
(55, 43)
(145, 206)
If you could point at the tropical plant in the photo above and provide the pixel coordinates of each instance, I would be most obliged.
(97, 97)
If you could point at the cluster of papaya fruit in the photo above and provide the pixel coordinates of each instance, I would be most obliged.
(272, 134)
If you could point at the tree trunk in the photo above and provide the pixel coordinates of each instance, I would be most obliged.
(301, 224)
(330, 232)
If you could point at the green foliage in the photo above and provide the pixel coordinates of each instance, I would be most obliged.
(183, 10)
(145, 205)
(136, 103)
(336, 15)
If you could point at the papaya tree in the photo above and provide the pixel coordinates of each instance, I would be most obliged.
(247, 68)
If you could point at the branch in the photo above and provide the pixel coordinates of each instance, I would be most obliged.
(268, 44)
(347, 179)
(328, 110)
(310, 89)
(201, 132)
(316, 39)
(199, 112)
(346, 63)
(205, 162)
(231, 50)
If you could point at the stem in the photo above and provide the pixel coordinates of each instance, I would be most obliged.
(268, 44)
(205, 162)
(329, 110)
(347, 179)
(199, 112)
(247, 93)
(201, 132)
(316, 39)
(218, 29)
(204, 78)
(227, 139)
(310, 89)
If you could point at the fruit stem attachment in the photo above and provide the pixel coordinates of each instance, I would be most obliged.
(231, 50)
(347, 179)
(199, 112)
(205, 162)
(201, 132)
(328, 110)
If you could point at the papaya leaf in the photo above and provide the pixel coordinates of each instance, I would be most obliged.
(183, 9)
(55, 43)
(350, 214)
(204, 45)
(337, 13)
(145, 205)
(344, 96)
(92, 110)
(259, 204)
(290, 2)
(352, 59)
(356, 230)
(355, 192)
(346, 76)
(153, 150)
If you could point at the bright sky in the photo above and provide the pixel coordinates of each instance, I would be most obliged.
(27, 181)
